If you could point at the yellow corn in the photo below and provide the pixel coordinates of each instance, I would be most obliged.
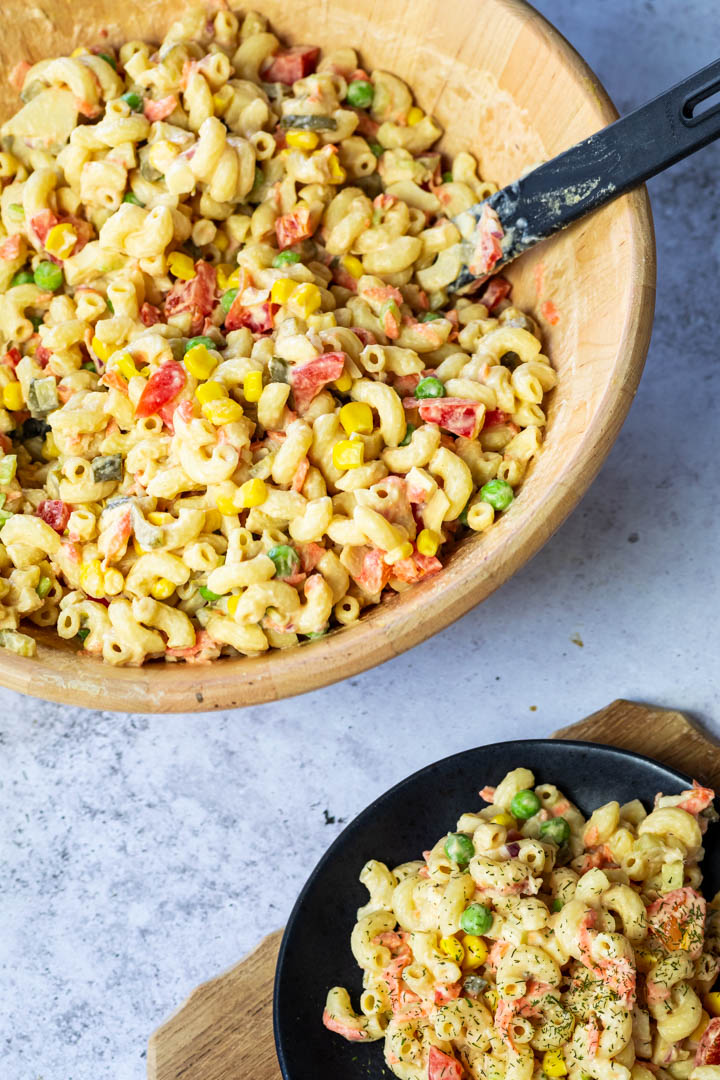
(282, 290)
(159, 517)
(232, 604)
(251, 493)
(162, 154)
(452, 947)
(221, 241)
(61, 240)
(213, 520)
(553, 1063)
(712, 1001)
(344, 383)
(414, 116)
(200, 362)
(501, 819)
(353, 266)
(92, 579)
(125, 365)
(222, 411)
(101, 350)
(428, 542)
(162, 588)
(13, 396)
(475, 951)
(226, 505)
(700, 1029)
(348, 454)
(223, 272)
(337, 173)
(80, 51)
(145, 371)
(137, 549)
(306, 299)
(181, 266)
(114, 582)
(491, 997)
(402, 551)
(302, 140)
(50, 449)
(210, 391)
(222, 99)
(357, 416)
(253, 385)
(234, 279)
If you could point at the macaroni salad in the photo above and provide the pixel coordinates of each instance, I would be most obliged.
(532, 943)
(238, 402)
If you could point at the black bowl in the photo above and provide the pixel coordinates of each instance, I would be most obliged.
(315, 951)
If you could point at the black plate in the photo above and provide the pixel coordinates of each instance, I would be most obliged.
(315, 952)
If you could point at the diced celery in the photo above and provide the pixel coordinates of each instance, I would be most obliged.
(8, 468)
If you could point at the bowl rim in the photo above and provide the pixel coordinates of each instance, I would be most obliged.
(397, 625)
(367, 813)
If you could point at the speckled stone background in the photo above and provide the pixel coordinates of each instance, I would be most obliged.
(141, 855)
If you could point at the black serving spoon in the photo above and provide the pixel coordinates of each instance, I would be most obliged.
(589, 175)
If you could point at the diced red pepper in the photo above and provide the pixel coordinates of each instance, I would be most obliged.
(10, 248)
(495, 417)
(457, 415)
(257, 317)
(293, 227)
(42, 355)
(196, 296)
(366, 336)
(55, 513)
(160, 110)
(310, 555)
(308, 379)
(292, 64)
(12, 357)
(708, 1052)
(161, 388)
(416, 567)
(443, 1067)
(150, 315)
(447, 992)
(496, 290)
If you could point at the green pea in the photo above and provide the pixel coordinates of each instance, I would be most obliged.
(82, 634)
(525, 804)
(459, 848)
(430, 387)
(360, 94)
(131, 197)
(23, 277)
(134, 100)
(227, 299)
(109, 60)
(447, 178)
(430, 316)
(408, 435)
(88, 365)
(285, 258)
(48, 277)
(476, 919)
(286, 559)
(36, 320)
(377, 148)
(557, 905)
(202, 339)
(498, 493)
(462, 516)
(556, 831)
(43, 587)
(208, 594)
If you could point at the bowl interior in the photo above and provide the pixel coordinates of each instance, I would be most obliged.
(315, 952)
(508, 87)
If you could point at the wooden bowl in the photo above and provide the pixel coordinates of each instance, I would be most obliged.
(505, 85)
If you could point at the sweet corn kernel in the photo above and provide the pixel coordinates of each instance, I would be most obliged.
(114, 582)
(235, 279)
(337, 173)
(306, 299)
(357, 416)
(162, 154)
(92, 579)
(700, 1029)
(223, 272)
(353, 266)
(13, 396)
(145, 371)
(475, 951)
(162, 588)
(213, 520)
(344, 383)
(252, 493)
(101, 350)
(232, 604)
(253, 385)
(452, 947)
(137, 549)
(226, 505)
(402, 551)
(50, 449)
(712, 1001)
(200, 362)
(282, 290)
(159, 517)
(61, 240)
(181, 266)
(80, 51)
(222, 411)
(348, 454)
(302, 140)
(125, 365)
(491, 997)
(221, 241)
(553, 1063)
(414, 116)
(428, 542)
(222, 99)
(210, 391)
(321, 321)
(501, 819)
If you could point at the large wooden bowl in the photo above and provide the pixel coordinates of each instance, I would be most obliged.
(507, 86)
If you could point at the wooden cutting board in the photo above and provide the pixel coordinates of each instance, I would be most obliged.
(224, 1029)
